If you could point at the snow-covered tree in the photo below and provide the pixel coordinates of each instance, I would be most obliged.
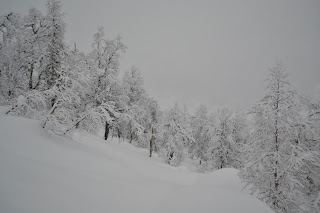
(203, 131)
(11, 67)
(305, 150)
(151, 121)
(54, 42)
(279, 158)
(70, 93)
(109, 95)
(34, 44)
(133, 83)
(221, 152)
(176, 136)
(239, 137)
(32, 48)
(134, 90)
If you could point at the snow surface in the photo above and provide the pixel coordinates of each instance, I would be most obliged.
(41, 172)
(21, 100)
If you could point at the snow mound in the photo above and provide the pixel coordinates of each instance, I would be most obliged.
(40, 172)
(21, 100)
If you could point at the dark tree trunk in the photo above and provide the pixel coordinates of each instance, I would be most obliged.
(31, 76)
(171, 155)
(131, 137)
(276, 181)
(151, 142)
(106, 133)
(277, 144)
(119, 133)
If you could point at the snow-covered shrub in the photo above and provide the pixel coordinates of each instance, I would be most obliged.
(32, 105)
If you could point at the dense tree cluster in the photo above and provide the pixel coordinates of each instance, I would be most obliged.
(275, 144)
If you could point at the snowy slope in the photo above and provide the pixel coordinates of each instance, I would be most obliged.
(40, 172)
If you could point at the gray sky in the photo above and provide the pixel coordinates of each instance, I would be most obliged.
(209, 52)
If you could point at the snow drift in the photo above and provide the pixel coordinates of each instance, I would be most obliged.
(40, 172)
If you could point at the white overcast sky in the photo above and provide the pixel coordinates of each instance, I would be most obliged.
(202, 52)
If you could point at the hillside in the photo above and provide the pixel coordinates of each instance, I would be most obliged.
(40, 172)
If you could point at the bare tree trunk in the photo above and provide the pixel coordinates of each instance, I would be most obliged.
(11, 109)
(171, 155)
(151, 142)
(54, 107)
(106, 133)
(30, 78)
(76, 124)
(131, 137)
(131, 133)
(277, 150)
(276, 181)
(119, 134)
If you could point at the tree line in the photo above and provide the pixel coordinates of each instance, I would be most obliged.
(275, 143)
